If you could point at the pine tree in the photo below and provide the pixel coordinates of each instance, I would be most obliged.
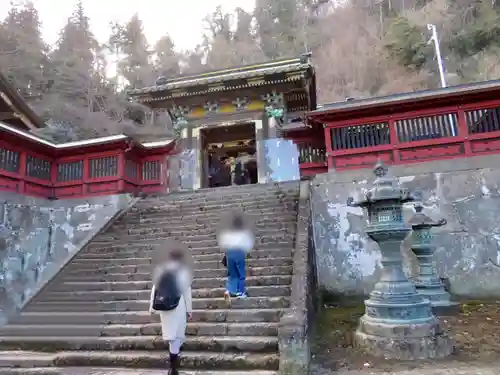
(131, 45)
(23, 53)
(166, 62)
(225, 47)
(281, 25)
(75, 72)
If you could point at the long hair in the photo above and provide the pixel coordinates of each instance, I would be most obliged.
(168, 253)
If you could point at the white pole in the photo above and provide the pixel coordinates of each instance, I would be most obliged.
(434, 38)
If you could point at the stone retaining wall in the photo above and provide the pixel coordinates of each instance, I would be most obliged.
(38, 236)
(295, 326)
(465, 192)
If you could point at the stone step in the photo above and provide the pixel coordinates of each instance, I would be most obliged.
(270, 224)
(193, 244)
(204, 210)
(144, 257)
(198, 274)
(201, 265)
(190, 224)
(210, 239)
(197, 202)
(148, 208)
(146, 250)
(20, 359)
(223, 195)
(151, 329)
(231, 192)
(164, 226)
(287, 243)
(189, 360)
(42, 305)
(254, 344)
(67, 286)
(181, 231)
(240, 202)
(208, 209)
(193, 236)
(218, 198)
(124, 295)
(122, 254)
(207, 216)
(232, 315)
(177, 216)
(142, 359)
(261, 218)
(115, 371)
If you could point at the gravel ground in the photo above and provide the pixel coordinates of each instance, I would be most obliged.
(476, 330)
(443, 369)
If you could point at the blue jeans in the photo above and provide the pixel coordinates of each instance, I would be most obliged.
(236, 271)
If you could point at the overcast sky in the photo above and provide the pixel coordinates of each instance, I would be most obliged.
(181, 19)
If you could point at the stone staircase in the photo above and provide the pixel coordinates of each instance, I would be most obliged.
(94, 313)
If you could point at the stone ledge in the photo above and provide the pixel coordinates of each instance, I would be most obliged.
(294, 326)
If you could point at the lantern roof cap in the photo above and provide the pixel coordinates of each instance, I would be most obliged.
(385, 188)
(422, 221)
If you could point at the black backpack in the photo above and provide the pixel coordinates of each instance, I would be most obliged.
(167, 294)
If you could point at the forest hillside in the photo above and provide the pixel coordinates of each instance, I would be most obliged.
(360, 48)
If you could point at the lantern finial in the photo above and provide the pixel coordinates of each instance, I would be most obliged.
(418, 207)
(380, 170)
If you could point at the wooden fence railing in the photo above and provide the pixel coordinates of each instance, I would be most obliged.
(43, 174)
(451, 132)
(312, 158)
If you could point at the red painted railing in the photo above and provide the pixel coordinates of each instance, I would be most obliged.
(311, 149)
(37, 169)
(426, 135)
(312, 157)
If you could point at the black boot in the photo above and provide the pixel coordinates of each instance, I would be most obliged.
(174, 364)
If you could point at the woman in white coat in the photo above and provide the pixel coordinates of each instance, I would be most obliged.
(174, 322)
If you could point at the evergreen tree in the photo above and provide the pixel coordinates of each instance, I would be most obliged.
(224, 47)
(407, 44)
(191, 62)
(166, 62)
(74, 74)
(282, 27)
(23, 53)
(131, 45)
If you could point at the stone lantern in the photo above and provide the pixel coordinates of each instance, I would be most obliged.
(428, 283)
(398, 322)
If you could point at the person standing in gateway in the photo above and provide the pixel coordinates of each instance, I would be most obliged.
(171, 298)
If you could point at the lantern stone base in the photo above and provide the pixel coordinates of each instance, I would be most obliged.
(403, 340)
(440, 301)
(445, 309)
